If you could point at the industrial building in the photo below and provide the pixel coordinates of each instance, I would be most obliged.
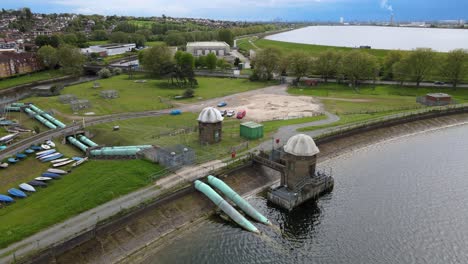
(12, 63)
(435, 99)
(109, 49)
(219, 48)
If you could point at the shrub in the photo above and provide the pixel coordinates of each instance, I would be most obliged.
(117, 71)
(104, 73)
(189, 92)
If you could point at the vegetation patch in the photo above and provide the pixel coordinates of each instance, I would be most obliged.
(29, 78)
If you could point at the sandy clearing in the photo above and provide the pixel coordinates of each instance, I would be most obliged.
(357, 100)
(263, 107)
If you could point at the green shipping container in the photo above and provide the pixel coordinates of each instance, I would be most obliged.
(251, 130)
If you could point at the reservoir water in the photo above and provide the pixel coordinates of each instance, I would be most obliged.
(399, 201)
(403, 38)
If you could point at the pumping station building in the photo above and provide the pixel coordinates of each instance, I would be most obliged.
(210, 126)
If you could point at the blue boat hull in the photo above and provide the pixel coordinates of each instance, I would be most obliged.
(12, 160)
(52, 158)
(51, 175)
(37, 183)
(6, 199)
(17, 193)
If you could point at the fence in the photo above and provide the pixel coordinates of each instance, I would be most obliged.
(392, 119)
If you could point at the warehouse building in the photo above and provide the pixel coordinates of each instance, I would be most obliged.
(220, 48)
(109, 49)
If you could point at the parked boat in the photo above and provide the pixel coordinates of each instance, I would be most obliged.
(77, 158)
(45, 152)
(8, 137)
(54, 157)
(17, 193)
(50, 175)
(3, 147)
(6, 199)
(59, 160)
(21, 156)
(45, 146)
(12, 160)
(43, 179)
(76, 164)
(62, 163)
(37, 183)
(3, 165)
(50, 143)
(48, 155)
(35, 148)
(27, 187)
(29, 151)
(57, 171)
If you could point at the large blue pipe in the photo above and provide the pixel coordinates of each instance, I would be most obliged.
(40, 118)
(237, 199)
(225, 206)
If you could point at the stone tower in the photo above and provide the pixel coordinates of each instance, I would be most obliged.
(210, 124)
(300, 156)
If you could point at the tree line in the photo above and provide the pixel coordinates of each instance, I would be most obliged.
(419, 65)
(66, 57)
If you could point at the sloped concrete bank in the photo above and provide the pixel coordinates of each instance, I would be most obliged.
(129, 237)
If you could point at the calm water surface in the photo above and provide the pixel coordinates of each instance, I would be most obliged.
(378, 37)
(401, 201)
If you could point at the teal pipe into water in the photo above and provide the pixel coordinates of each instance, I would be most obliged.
(17, 104)
(77, 143)
(12, 108)
(238, 200)
(40, 118)
(87, 141)
(225, 206)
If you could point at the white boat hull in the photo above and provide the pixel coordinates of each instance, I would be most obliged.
(62, 163)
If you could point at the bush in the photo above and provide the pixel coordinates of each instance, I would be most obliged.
(189, 93)
(104, 73)
(117, 71)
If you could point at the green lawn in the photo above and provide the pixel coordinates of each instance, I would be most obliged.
(288, 47)
(29, 78)
(88, 186)
(154, 130)
(134, 97)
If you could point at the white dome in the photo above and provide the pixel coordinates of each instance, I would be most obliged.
(210, 115)
(301, 145)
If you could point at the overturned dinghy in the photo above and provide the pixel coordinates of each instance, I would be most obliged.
(17, 193)
(57, 171)
(225, 206)
(6, 199)
(37, 183)
(27, 187)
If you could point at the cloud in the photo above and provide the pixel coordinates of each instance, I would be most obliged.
(384, 4)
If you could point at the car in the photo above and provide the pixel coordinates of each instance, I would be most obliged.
(439, 83)
(221, 104)
(230, 113)
(175, 112)
(241, 114)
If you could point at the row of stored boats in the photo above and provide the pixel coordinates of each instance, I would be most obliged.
(45, 153)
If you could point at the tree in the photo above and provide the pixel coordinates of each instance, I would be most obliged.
(157, 60)
(175, 39)
(119, 37)
(211, 61)
(55, 41)
(70, 59)
(200, 62)
(419, 64)
(226, 36)
(398, 72)
(299, 64)
(70, 39)
(48, 56)
(99, 35)
(454, 66)
(328, 64)
(267, 63)
(358, 65)
(391, 58)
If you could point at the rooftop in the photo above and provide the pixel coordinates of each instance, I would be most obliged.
(301, 145)
(210, 115)
(439, 95)
(208, 44)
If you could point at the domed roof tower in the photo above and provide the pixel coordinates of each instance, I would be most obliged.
(210, 123)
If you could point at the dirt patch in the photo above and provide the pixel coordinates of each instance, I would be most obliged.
(263, 107)
(345, 99)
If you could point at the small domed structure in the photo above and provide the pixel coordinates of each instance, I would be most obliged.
(210, 125)
(210, 115)
(301, 145)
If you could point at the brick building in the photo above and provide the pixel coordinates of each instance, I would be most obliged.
(12, 63)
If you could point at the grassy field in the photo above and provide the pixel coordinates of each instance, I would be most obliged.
(29, 78)
(369, 102)
(134, 97)
(88, 186)
(288, 47)
(154, 130)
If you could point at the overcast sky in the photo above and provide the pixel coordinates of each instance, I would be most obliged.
(293, 10)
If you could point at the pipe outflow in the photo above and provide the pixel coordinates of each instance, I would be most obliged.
(77, 143)
(225, 206)
(87, 141)
(40, 118)
(118, 151)
(17, 104)
(47, 116)
(12, 109)
(237, 199)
